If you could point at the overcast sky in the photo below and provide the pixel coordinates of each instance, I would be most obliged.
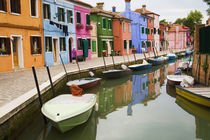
(167, 9)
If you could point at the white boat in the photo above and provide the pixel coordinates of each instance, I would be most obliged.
(144, 65)
(175, 79)
(171, 56)
(185, 64)
(67, 111)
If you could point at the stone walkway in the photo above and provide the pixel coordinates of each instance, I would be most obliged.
(13, 85)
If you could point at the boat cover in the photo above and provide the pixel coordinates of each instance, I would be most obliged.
(82, 81)
(66, 106)
(187, 82)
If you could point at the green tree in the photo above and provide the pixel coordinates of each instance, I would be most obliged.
(180, 20)
(163, 21)
(208, 3)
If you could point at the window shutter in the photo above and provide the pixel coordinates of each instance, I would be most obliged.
(48, 11)
(50, 43)
(64, 44)
(8, 45)
(142, 29)
(39, 45)
(68, 16)
(63, 15)
(125, 44)
(32, 47)
(104, 23)
(93, 46)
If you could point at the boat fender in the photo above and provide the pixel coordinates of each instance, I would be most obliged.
(76, 90)
(124, 67)
(91, 74)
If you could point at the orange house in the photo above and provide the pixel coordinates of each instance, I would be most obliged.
(150, 36)
(21, 42)
(122, 34)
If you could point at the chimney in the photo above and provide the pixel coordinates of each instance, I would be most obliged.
(127, 5)
(100, 5)
(113, 9)
(143, 9)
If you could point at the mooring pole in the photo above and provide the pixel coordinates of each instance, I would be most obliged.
(64, 66)
(104, 61)
(113, 60)
(38, 90)
(78, 67)
(128, 59)
(134, 56)
(51, 83)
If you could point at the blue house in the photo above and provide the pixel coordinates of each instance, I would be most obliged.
(138, 27)
(59, 31)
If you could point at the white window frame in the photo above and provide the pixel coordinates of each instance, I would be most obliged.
(64, 14)
(71, 16)
(43, 11)
(37, 15)
(103, 23)
(17, 14)
(60, 43)
(45, 43)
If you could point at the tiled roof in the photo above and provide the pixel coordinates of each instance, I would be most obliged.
(172, 28)
(140, 10)
(96, 10)
(118, 16)
(81, 2)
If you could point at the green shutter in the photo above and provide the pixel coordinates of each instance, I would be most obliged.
(125, 44)
(142, 29)
(93, 46)
(104, 23)
(130, 44)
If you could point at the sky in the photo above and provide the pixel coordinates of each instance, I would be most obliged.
(167, 9)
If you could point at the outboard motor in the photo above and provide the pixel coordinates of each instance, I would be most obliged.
(124, 67)
(91, 74)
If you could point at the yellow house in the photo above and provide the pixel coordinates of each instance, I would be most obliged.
(21, 30)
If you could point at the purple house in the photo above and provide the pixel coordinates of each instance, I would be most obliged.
(83, 29)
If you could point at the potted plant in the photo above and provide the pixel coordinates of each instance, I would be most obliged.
(3, 51)
(80, 26)
(89, 27)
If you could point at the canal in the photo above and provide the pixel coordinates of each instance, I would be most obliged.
(137, 107)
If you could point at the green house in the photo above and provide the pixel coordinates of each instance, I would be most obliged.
(104, 29)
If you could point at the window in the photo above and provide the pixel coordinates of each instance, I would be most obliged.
(15, 6)
(93, 46)
(130, 44)
(5, 47)
(48, 44)
(150, 21)
(79, 44)
(104, 23)
(3, 5)
(78, 17)
(69, 16)
(142, 44)
(125, 44)
(154, 30)
(111, 44)
(33, 8)
(87, 19)
(46, 9)
(129, 27)
(61, 14)
(89, 43)
(144, 19)
(110, 24)
(36, 47)
(123, 26)
(151, 31)
(142, 29)
(104, 45)
(62, 44)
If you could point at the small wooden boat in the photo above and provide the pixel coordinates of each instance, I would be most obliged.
(144, 65)
(199, 95)
(115, 73)
(67, 111)
(171, 56)
(175, 79)
(156, 61)
(85, 83)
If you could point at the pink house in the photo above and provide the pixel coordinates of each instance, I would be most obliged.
(177, 37)
(83, 30)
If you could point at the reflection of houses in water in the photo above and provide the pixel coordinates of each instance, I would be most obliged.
(157, 81)
(151, 84)
(162, 75)
(202, 117)
(172, 67)
(140, 91)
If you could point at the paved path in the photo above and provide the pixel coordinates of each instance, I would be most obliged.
(16, 84)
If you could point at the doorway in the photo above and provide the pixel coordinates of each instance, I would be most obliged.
(17, 52)
(55, 51)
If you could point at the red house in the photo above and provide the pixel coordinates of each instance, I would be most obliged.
(150, 36)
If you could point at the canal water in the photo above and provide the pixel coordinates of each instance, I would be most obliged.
(137, 107)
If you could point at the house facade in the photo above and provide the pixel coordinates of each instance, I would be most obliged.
(135, 25)
(59, 31)
(21, 35)
(104, 29)
(83, 29)
(94, 39)
(150, 36)
(162, 34)
(122, 34)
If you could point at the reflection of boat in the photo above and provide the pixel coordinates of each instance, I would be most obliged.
(144, 65)
(152, 69)
(156, 61)
(109, 83)
(196, 94)
(175, 79)
(86, 131)
(171, 90)
(85, 83)
(116, 73)
(67, 111)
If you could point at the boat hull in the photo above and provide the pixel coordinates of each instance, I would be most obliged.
(116, 74)
(141, 67)
(155, 62)
(193, 97)
(69, 124)
(171, 57)
(90, 85)
(173, 83)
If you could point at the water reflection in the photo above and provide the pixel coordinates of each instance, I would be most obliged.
(201, 114)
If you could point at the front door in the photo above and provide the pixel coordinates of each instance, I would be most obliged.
(15, 51)
(70, 50)
(55, 50)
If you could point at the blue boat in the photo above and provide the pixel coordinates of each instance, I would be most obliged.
(156, 61)
(171, 56)
(144, 65)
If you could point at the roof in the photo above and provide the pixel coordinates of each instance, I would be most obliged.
(96, 10)
(118, 16)
(81, 3)
(172, 28)
(140, 10)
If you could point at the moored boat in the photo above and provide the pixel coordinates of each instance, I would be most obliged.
(85, 83)
(67, 111)
(199, 95)
(115, 73)
(175, 79)
(156, 61)
(171, 56)
(144, 65)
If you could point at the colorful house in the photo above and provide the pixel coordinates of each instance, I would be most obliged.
(135, 25)
(94, 39)
(150, 36)
(104, 29)
(20, 34)
(122, 34)
(83, 29)
(59, 31)
(162, 37)
(177, 37)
